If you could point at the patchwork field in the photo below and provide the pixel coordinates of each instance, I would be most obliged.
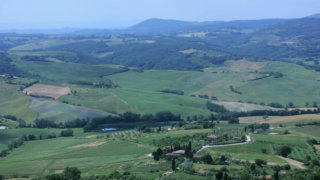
(52, 110)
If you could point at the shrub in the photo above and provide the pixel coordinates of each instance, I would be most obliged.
(72, 173)
(285, 151)
(260, 162)
(67, 133)
(215, 107)
(51, 136)
(207, 159)
(31, 137)
(178, 92)
(264, 151)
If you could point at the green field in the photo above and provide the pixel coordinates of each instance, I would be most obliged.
(47, 156)
(140, 91)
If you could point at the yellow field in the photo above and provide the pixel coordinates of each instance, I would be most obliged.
(298, 118)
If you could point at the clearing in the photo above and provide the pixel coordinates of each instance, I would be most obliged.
(42, 90)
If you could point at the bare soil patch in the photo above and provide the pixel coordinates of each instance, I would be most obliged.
(42, 90)
(247, 66)
(197, 34)
(94, 144)
(150, 41)
(188, 51)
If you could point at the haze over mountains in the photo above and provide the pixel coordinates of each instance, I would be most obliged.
(157, 25)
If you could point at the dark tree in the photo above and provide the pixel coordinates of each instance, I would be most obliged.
(219, 175)
(260, 162)
(31, 137)
(277, 169)
(72, 173)
(207, 159)
(173, 164)
(157, 154)
(285, 151)
(67, 133)
(188, 150)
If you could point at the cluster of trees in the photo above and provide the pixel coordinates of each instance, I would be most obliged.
(22, 123)
(180, 142)
(208, 159)
(205, 97)
(28, 85)
(69, 173)
(43, 58)
(160, 153)
(13, 145)
(216, 107)
(284, 151)
(308, 124)
(178, 92)
(254, 127)
(35, 58)
(128, 117)
(275, 105)
(107, 83)
(268, 74)
(66, 133)
(273, 113)
(234, 90)
(6, 67)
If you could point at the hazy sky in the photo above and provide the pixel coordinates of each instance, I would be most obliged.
(120, 13)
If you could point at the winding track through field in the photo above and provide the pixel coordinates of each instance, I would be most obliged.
(293, 162)
(248, 139)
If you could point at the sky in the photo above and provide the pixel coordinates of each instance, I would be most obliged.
(51, 14)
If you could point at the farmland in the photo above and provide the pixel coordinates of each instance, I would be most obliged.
(237, 101)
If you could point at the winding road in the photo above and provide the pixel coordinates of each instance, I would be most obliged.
(248, 139)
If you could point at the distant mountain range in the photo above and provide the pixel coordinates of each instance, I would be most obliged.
(164, 26)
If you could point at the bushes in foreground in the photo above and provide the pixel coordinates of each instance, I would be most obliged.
(73, 173)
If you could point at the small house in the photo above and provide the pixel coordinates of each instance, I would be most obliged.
(176, 153)
(213, 137)
(202, 171)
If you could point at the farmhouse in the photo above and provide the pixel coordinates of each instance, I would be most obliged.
(213, 137)
(7, 76)
(202, 171)
(3, 127)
